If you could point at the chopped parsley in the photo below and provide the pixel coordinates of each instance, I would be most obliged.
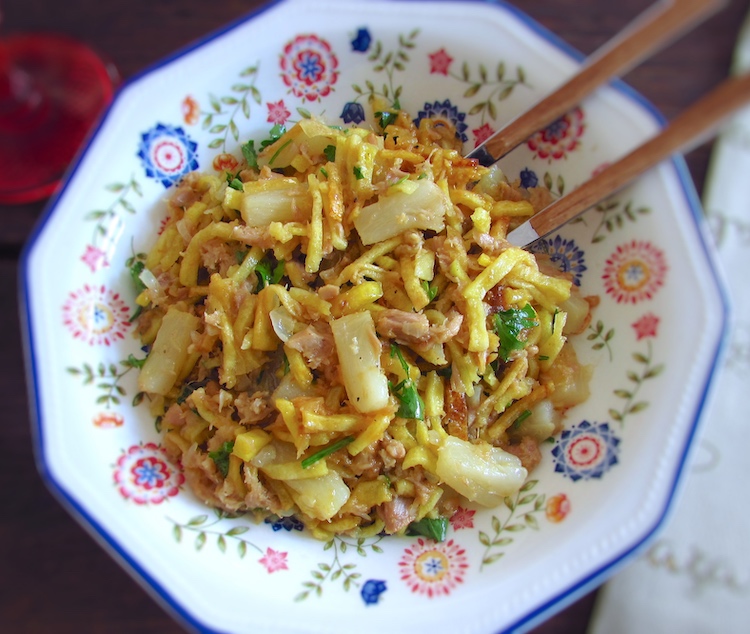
(268, 273)
(387, 117)
(136, 268)
(132, 362)
(510, 326)
(249, 150)
(329, 151)
(434, 528)
(221, 457)
(358, 173)
(411, 404)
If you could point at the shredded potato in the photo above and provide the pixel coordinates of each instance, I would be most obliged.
(341, 332)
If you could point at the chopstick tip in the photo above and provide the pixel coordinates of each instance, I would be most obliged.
(523, 235)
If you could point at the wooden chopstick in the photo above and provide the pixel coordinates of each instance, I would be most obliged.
(656, 27)
(690, 128)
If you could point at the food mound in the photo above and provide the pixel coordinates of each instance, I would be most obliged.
(341, 333)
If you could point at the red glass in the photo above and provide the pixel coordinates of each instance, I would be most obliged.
(52, 90)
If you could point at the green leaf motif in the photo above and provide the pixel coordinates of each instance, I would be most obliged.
(614, 215)
(524, 506)
(200, 541)
(237, 105)
(336, 569)
(647, 373)
(203, 529)
(491, 559)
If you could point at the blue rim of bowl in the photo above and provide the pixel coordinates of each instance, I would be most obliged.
(130, 563)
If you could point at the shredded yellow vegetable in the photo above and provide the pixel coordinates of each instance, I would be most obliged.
(343, 334)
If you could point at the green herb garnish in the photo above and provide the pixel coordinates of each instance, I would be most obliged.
(434, 528)
(431, 291)
(251, 153)
(411, 404)
(268, 273)
(221, 457)
(136, 268)
(189, 389)
(521, 417)
(329, 151)
(510, 325)
(132, 362)
(358, 173)
(277, 152)
(387, 117)
(326, 451)
(233, 181)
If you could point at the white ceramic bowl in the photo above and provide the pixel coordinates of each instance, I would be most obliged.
(603, 487)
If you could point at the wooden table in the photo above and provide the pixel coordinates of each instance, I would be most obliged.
(53, 577)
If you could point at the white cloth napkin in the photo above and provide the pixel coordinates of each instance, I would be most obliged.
(695, 577)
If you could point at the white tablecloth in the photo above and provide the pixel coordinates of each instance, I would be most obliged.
(695, 577)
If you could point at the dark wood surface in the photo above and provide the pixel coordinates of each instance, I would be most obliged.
(53, 577)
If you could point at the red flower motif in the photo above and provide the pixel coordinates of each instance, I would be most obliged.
(646, 326)
(559, 138)
(96, 315)
(462, 518)
(225, 162)
(558, 507)
(94, 258)
(144, 475)
(433, 569)
(190, 110)
(634, 272)
(277, 112)
(274, 560)
(309, 67)
(482, 133)
(440, 62)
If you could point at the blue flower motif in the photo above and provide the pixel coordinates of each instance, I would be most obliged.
(528, 178)
(288, 524)
(564, 254)
(310, 66)
(147, 474)
(371, 591)
(353, 112)
(361, 41)
(447, 112)
(586, 451)
(167, 153)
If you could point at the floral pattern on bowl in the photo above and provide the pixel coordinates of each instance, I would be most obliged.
(604, 484)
